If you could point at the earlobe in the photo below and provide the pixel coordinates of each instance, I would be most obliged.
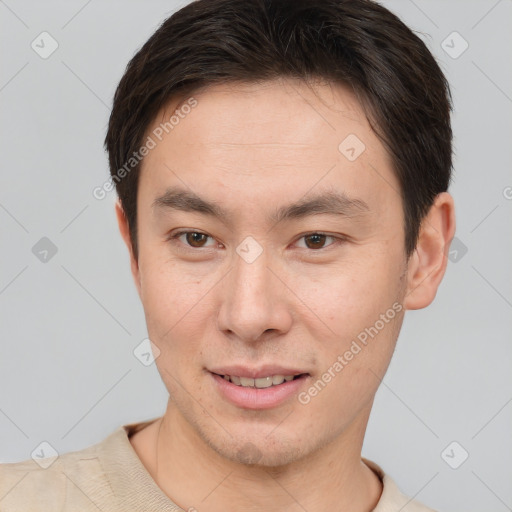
(124, 229)
(428, 262)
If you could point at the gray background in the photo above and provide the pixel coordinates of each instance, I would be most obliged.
(69, 325)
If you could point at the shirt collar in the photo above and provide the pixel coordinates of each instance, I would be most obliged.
(134, 487)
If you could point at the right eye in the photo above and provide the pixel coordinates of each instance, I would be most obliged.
(192, 239)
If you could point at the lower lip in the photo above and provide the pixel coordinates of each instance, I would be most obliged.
(258, 398)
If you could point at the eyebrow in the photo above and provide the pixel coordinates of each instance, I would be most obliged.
(329, 203)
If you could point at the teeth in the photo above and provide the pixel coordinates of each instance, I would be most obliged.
(262, 382)
(277, 379)
(247, 382)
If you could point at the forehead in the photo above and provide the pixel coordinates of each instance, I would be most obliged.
(309, 113)
(271, 138)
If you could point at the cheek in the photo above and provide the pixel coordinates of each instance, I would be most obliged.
(352, 367)
(348, 295)
(177, 312)
(176, 303)
(357, 316)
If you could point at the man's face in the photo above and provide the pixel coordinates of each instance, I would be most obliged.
(299, 294)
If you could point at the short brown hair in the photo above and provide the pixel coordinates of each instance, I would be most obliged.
(358, 43)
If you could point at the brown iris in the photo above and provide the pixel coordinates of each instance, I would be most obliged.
(318, 240)
(195, 239)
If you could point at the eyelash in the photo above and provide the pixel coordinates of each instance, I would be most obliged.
(338, 239)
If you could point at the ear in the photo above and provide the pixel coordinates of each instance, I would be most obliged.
(428, 262)
(124, 228)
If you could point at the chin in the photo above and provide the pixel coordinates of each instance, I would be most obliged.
(257, 446)
(262, 453)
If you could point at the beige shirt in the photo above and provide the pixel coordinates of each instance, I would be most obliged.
(109, 476)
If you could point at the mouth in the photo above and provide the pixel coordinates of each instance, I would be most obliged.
(261, 382)
(264, 390)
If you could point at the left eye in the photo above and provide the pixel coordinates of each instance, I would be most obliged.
(316, 240)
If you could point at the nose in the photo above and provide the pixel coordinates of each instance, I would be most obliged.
(254, 300)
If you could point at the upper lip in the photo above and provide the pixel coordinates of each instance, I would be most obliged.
(255, 373)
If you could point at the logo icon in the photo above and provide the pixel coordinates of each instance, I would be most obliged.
(454, 455)
(249, 249)
(454, 45)
(146, 352)
(44, 250)
(44, 455)
(44, 45)
(351, 147)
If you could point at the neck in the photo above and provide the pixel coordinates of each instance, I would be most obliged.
(195, 476)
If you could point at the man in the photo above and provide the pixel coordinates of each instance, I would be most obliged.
(282, 170)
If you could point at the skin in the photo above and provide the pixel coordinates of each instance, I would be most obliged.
(301, 303)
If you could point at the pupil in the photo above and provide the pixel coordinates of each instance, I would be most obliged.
(194, 238)
(318, 239)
